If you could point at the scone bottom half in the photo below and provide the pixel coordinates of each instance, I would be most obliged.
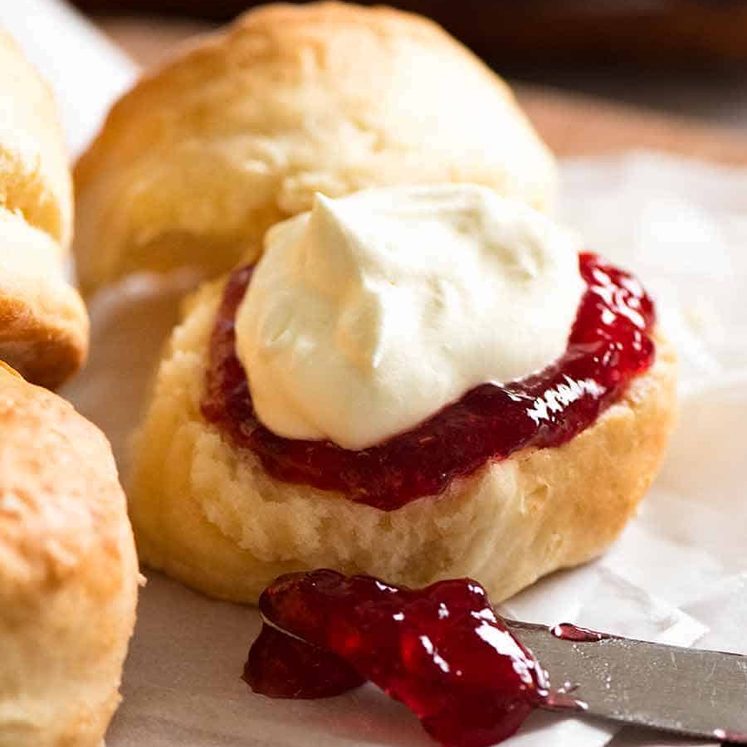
(213, 515)
(241, 129)
(68, 572)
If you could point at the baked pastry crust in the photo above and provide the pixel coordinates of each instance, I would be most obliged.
(213, 518)
(43, 322)
(68, 572)
(241, 129)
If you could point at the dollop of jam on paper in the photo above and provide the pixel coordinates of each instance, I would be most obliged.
(441, 650)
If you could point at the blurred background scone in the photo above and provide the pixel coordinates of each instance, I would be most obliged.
(240, 130)
(43, 323)
(68, 572)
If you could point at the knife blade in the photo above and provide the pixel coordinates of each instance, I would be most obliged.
(690, 692)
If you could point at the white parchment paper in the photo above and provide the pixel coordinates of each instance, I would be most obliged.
(678, 574)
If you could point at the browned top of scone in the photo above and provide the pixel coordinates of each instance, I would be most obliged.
(241, 128)
(62, 510)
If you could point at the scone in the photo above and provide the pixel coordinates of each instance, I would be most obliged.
(241, 129)
(68, 572)
(413, 383)
(43, 323)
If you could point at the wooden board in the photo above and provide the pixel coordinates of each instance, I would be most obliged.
(571, 124)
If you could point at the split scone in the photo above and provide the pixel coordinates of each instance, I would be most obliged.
(68, 572)
(413, 383)
(43, 323)
(241, 129)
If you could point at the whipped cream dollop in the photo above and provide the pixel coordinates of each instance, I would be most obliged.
(372, 312)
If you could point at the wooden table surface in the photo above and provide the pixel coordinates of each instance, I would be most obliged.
(570, 124)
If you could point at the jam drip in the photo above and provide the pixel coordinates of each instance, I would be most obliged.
(441, 651)
(568, 632)
(609, 344)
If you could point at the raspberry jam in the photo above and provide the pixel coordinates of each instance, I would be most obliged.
(568, 632)
(609, 344)
(441, 651)
(283, 667)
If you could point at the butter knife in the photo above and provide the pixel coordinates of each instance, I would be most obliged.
(683, 691)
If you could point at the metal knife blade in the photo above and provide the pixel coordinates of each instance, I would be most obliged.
(690, 692)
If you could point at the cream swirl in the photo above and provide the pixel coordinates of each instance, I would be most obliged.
(372, 312)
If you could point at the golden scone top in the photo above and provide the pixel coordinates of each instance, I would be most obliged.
(240, 130)
(68, 572)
